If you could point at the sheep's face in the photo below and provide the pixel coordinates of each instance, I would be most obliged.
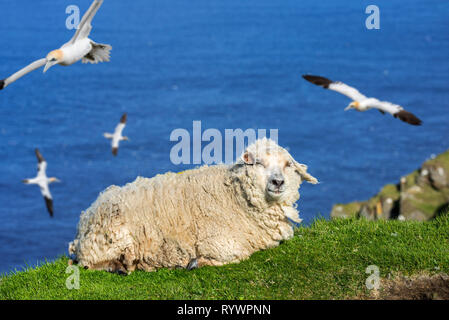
(275, 173)
(269, 170)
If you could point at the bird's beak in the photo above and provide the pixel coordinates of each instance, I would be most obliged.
(49, 65)
(348, 107)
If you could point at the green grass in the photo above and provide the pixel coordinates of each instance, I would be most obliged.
(324, 261)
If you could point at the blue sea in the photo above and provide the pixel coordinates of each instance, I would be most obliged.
(229, 64)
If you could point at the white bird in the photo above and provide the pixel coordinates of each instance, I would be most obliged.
(43, 182)
(117, 135)
(80, 47)
(363, 103)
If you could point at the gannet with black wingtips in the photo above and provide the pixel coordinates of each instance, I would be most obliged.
(117, 135)
(363, 103)
(80, 47)
(43, 182)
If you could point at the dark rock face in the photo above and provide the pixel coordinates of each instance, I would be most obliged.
(421, 195)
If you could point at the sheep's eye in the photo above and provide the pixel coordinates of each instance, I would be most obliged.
(259, 163)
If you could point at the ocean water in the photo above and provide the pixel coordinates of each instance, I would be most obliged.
(229, 64)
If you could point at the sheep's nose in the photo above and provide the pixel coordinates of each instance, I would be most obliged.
(277, 181)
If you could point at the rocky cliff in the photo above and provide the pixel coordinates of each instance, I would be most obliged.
(421, 195)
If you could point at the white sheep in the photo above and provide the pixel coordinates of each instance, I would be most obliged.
(212, 215)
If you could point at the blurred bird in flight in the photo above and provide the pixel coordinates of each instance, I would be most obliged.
(363, 103)
(116, 137)
(80, 47)
(43, 181)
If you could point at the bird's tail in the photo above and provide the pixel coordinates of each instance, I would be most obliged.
(2, 84)
(99, 53)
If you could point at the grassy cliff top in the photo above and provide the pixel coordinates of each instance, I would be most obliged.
(324, 261)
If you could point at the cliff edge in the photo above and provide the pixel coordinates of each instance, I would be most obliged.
(422, 195)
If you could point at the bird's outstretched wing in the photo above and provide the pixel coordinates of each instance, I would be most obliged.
(124, 118)
(41, 164)
(49, 203)
(397, 112)
(19, 74)
(337, 86)
(85, 25)
(119, 129)
(39, 156)
(108, 135)
(48, 198)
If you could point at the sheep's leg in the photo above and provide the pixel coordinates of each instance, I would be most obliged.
(114, 266)
(129, 261)
(123, 264)
(193, 264)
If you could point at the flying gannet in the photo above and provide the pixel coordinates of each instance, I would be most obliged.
(80, 47)
(42, 181)
(362, 103)
(117, 135)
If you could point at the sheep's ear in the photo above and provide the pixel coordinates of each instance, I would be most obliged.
(301, 169)
(248, 158)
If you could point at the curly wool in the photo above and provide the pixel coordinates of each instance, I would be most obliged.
(215, 214)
